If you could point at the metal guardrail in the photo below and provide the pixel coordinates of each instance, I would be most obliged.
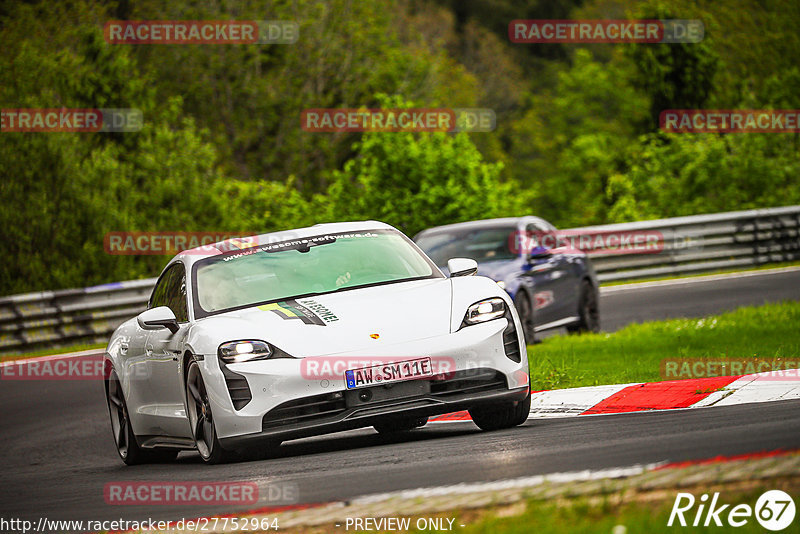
(69, 316)
(703, 243)
(687, 245)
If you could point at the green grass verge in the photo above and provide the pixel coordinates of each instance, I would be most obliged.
(765, 267)
(635, 353)
(52, 350)
(608, 516)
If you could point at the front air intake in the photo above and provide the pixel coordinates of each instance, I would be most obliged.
(237, 386)
(510, 341)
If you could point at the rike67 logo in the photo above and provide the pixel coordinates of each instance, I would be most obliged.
(774, 510)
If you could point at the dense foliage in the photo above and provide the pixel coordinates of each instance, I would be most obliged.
(577, 138)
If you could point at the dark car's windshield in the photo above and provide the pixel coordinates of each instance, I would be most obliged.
(481, 244)
(290, 269)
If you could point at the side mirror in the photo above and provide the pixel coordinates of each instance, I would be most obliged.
(538, 253)
(155, 318)
(462, 267)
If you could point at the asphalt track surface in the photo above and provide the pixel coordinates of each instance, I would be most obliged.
(695, 297)
(56, 452)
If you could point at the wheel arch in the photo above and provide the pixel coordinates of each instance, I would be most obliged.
(522, 289)
(108, 367)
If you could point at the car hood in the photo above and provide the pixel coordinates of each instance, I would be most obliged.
(353, 320)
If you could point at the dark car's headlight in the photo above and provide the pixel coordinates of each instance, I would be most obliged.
(244, 351)
(485, 310)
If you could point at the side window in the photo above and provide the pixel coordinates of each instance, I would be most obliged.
(177, 294)
(543, 235)
(159, 296)
(170, 291)
(534, 237)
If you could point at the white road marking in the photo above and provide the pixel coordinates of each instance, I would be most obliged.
(695, 279)
(570, 401)
(761, 387)
(522, 482)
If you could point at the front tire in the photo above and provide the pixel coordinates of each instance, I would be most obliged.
(588, 311)
(500, 416)
(124, 438)
(198, 409)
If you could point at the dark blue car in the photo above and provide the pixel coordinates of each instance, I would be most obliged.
(551, 286)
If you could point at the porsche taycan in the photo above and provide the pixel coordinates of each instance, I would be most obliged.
(251, 342)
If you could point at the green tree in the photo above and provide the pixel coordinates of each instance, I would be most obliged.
(64, 191)
(573, 137)
(685, 174)
(414, 181)
(250, 97)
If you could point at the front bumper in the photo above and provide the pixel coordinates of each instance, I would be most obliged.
(316, 415)
(286, 404)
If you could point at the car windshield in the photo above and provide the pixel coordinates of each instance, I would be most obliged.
(309, 266)
(481, 244)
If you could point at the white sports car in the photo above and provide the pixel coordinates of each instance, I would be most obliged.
(250, 342)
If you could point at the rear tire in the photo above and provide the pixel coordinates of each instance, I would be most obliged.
(124, 438)
(588, 311)
(400, 425)
(500, 416)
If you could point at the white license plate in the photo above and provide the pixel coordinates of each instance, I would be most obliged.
(388, 372)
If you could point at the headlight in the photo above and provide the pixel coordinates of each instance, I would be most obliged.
(485, 310)
(244, 351)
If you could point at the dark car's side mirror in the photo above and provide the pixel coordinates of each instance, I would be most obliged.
(538, 253)
(156, 318)
(462, 267)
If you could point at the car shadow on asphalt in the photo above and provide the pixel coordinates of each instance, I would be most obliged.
(352, 440)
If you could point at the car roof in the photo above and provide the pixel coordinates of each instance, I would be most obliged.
(191, 256)
(519, 222)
